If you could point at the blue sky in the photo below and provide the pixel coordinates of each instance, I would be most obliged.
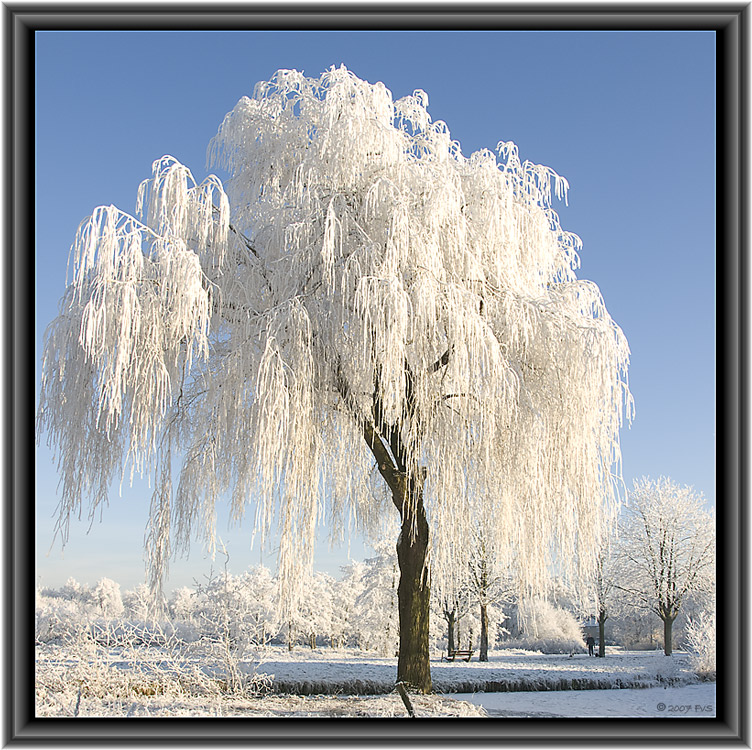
(628, 118)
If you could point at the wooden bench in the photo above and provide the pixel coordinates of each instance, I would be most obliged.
(465, 654)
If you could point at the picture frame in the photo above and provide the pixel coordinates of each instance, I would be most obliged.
(729, 21)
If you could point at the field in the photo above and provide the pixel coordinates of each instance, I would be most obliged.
(85, 678)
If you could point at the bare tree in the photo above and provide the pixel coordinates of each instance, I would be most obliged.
(453, 607)
(667, 549)
(490, 581)
(605, 590)
(358, 293)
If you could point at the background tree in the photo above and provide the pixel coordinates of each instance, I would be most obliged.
(490, 582)
(452, 607)
(605, 589)
(347, 617)
(315, 609)
(262, 592)
(139, 603)
(376, 608)
(182, 604)
(108, 598)
(667, 547)
(358, 292)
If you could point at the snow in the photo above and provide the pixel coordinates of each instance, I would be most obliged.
(329, 682)
(689, 701)
(284, 706)
(506, 669)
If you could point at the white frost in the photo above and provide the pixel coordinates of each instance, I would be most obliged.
(250, 328)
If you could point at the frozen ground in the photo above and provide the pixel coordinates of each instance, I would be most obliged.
(325, 670)
(330, 683)
(689, 701)
(270, 706)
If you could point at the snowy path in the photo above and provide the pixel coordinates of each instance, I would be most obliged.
(690, 701)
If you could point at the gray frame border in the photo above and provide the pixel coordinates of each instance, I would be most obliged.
(730, 21)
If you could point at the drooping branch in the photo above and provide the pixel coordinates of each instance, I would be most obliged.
(442, 361)
(248, 244)
(367, 234)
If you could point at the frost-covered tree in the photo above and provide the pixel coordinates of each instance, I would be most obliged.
(313, 617)
(358, 294)
(377, 605)
(261, 593)
(108, 598)
(667, 542)
(452, 607)
(606, 593)
(346, 621)
(77, 592)
(489, 581)
(182, 604)
(138, 603)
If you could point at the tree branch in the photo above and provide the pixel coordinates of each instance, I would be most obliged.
(442, 361)
(384, 461)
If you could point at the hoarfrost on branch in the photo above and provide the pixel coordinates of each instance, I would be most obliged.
(355, 276)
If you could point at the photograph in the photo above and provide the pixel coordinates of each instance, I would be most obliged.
(376, 377)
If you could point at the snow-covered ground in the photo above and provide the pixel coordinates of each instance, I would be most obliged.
(689, 701)
(506, 670)
(329, 683)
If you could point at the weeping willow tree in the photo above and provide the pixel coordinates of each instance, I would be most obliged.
(357, 302)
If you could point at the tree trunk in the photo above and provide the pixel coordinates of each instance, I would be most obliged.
(449, 616)
(668, 638)
(602, 617)
(483, 656)
(413, 593)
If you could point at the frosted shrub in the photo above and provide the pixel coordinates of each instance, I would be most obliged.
(376, 607)
(233, 615)
(242, 608)
(548, 629)
(138, 603)
(54, 619)
(61, 612)
(108, 598)
(182, 603)
(74, 591)
(313, 618)
(347, 621)
(700, 639)
(104, 667)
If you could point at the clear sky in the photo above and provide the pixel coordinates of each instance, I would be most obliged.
(628, 118)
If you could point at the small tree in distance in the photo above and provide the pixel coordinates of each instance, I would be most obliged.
(357, 293)
(667, 549)
(490, 582)
(605, 589)
(108, 598)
